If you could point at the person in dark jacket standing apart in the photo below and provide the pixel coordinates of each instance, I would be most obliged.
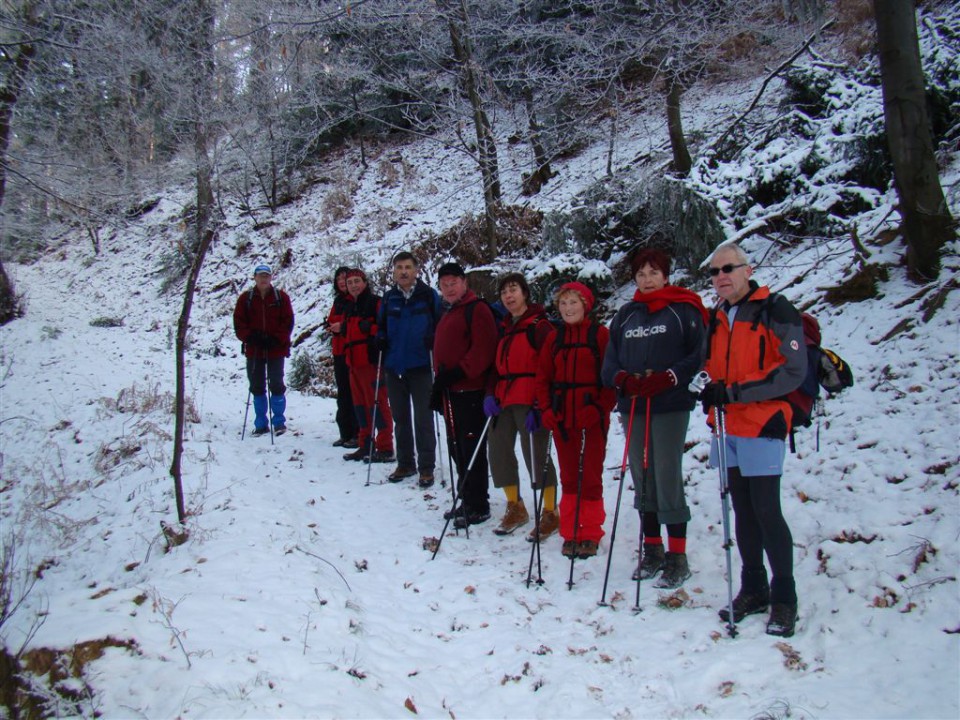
(755, 355)
(577, 409)
(374, 421)
(656, 347)
(463, 350)
(406, 326)
(263, 321)
(346, 416)
(509, 400)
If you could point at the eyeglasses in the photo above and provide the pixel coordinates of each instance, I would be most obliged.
(725, 269)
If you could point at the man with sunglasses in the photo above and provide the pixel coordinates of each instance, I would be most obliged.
(755, 356)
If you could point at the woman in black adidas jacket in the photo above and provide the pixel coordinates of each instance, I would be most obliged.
(656, 347)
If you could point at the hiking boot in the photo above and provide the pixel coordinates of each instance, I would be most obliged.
(257, 432)
(349, 444)
(380, 456)
(587, 549)
(651, 563)
(549, 524)
(339, 442)
(747, 603)
(455, 513)
(279, 430)
(358, 455)
(470, 517)
(783, 619)
(401, 473)
(675, 571)
(569, 548)
(515, 516)
(426, 480)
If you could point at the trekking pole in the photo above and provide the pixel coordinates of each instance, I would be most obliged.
(246, 414)
(436, 428)
(373, 416)
(720, 424)
(452, 434)
(537, 510)
(643, 498)
(576, 513)
(270, 410)
(463, 477)
(616, 512)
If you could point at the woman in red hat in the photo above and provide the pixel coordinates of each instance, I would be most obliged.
(576, 407)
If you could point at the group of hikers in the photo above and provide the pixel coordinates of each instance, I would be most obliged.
(529, 379)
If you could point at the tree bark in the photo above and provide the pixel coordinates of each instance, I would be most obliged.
(678, 142)
(927, 224)
(486, 143)
(200, 53)
(9, 94)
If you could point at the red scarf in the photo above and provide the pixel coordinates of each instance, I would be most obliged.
(668, 294)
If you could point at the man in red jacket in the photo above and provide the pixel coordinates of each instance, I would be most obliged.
(263, 321)
(463, 348)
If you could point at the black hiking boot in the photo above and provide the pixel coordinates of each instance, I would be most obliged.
(279, 430)
(257, 432)
(651, 563)
(675, 571)
(783, 619)
(747, 603)
(470, 517)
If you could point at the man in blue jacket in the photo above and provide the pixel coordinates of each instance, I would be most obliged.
(408, 316)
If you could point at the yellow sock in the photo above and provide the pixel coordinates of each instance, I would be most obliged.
(512, 492)
(550, 498)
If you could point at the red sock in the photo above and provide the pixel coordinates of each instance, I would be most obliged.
(653, 540)
(677, 545)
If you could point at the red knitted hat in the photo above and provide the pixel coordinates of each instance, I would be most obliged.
(357, 272)
(580, 289)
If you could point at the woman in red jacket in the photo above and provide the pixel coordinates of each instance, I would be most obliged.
(577, 409)
(368, 390)
(509, 400)
(346, 417)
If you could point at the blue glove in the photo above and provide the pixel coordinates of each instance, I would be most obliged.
(532, 423)
(491, 408)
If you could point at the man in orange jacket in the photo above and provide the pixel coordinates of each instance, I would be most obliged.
(755, 356)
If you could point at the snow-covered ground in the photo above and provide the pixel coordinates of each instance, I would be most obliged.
(305, 592)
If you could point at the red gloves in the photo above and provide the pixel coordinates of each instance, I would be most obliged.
(655, 383)
(587, 416)
(549, 420)
(629, 384)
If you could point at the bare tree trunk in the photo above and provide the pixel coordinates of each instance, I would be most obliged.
(19, 61)
(927, 224)
(486, 143)
(678, 142)
(201, 55)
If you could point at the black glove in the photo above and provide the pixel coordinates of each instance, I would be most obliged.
(380, 344)
(436, 399)
(428, 342)
(446, 378)
(713, 394)
(257, 338)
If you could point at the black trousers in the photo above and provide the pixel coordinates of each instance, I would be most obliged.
(346, 417)
(465, 422)
(761, 528)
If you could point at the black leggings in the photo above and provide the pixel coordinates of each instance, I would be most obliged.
(761, 527)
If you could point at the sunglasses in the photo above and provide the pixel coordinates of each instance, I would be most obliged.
(725, 269)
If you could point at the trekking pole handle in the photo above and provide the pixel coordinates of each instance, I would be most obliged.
(699, 382)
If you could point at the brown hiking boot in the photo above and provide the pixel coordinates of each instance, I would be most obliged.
(569, 548)
(588, 549)
(549, 524)
(515, 516)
